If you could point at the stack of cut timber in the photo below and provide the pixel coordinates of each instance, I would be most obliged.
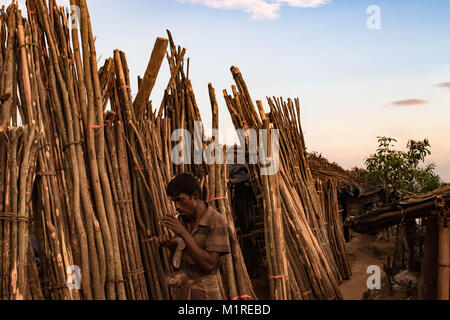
(179, 110)
(83, 222)
(328, 193)
(286, 117)
(312, 272)
(148, 176)
(18, 280)
(238, 285)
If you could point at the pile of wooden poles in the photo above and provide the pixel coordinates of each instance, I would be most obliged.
(237, 281)
(328, 194)
(311, 270)
(179, 110)
(83, 188)
(148, 173)
(286, 117)
(18, 150)
(84, 199)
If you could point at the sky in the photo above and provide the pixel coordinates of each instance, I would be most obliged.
(355, 83)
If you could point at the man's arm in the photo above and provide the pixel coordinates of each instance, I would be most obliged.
(207, 261)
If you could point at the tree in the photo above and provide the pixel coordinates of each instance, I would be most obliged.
(401, 171)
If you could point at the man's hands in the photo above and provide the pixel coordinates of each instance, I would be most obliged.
(175, 225)
(207, 261)
(165, 241)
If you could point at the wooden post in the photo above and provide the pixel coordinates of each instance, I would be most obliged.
(427, 282)
(443, 285)
(154, 65)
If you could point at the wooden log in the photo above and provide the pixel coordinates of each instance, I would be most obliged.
(392, 215)
(146, 87)
(8, 70)
(427, 287)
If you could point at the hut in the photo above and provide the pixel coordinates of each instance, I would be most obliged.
(355, 196)
(432, 208)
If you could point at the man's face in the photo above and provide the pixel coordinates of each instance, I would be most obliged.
(185, 205)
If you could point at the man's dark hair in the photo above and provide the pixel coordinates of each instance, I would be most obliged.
(184, 183)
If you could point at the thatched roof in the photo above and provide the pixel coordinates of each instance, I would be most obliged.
(348, 181)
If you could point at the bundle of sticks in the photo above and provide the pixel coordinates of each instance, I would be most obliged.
(311, 270)
(149, 174)
(179, 111)
(286, 117)
(85, 169)
(238, 284)
(83, 216)
(18, 150)
(328, 193)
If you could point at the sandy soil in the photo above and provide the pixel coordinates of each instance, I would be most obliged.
(364, 251)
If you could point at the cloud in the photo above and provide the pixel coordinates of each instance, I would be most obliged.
(409, 102)
(444, 85)
(259, 9)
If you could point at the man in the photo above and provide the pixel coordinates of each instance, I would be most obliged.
(203, 232)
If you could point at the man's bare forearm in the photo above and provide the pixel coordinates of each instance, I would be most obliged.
(202, 258)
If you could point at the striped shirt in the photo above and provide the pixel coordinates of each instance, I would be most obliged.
(211, 235)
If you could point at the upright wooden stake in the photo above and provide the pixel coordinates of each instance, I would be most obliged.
(150, 76)
(443, 285)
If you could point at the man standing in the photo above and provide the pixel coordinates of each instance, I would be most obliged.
(204, 235)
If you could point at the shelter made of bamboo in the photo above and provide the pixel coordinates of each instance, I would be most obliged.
(433, 209)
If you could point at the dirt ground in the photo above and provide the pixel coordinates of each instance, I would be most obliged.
(364, 251)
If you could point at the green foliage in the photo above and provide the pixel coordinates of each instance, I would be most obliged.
(401, 171)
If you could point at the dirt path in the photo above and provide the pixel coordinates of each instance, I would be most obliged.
(364, 251)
